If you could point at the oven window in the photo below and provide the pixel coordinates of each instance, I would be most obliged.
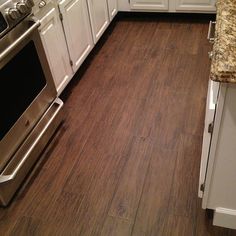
(21, 80)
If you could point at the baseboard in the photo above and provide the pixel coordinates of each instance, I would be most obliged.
(225, 218)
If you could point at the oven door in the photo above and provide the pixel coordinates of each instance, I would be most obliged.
(26, 86)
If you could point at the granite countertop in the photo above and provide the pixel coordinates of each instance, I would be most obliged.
(223, 67)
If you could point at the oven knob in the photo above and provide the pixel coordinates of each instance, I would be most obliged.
(13, 14)
(29, 3)
(21, 6)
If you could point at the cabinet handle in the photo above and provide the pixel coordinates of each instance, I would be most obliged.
(211, 37)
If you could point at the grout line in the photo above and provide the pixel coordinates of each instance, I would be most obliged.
(136, 214)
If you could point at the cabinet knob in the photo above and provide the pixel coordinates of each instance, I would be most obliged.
(42, 4)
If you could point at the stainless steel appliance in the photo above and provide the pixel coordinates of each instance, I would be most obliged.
(30, 111)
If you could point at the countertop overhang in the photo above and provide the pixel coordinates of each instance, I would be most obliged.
(223, 67)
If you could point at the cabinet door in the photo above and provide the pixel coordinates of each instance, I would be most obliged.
(112, 8)
(99, 17)
(77, 30)
(149, 4)
(54, 43)
(196, 5)
(212, 95)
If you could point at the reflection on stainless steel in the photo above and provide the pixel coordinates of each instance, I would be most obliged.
(13, 174)
(23, 60)
(17, 36)
(15, 136)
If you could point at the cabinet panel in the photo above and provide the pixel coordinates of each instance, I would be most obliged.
(113, 8)
(77, 30)
(212, 95)
(196, 5)
(54, 43)
(99, 17)
(149, 4)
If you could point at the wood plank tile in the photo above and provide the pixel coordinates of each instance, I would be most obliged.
(154, 201)
(115, 226)
(131, 137)
(183, 196)
(178, 226)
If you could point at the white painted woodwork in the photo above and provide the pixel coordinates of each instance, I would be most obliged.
(54, 43)
(212, 95)
(221, 183)
(99, 16)
(200, 6)
(225, 218)
(77, 30)
(214, 143)
(123, 5)
(149, 4)
(112, 8)
(195, 5)
(220, 192)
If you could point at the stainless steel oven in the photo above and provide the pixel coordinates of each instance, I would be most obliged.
(30, 111)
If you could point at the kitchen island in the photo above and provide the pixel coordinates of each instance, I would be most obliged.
(218, 165)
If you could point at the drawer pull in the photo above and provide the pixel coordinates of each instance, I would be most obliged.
(211, 34)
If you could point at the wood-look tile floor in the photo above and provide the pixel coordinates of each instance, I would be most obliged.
(126, 160)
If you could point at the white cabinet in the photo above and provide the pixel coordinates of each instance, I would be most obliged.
(149, 4)
(54, 43)
(99, 17)
(75, 19)
(195, 5)
(212, 96)
(219, 192)
(168, 5)
(112, 8)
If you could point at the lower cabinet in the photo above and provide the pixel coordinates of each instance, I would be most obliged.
(212, 95)
(218, 167)
(69, 29)
(112, 8)
(75, 20)
(195, 5)
(99, 17)
(54, 43)
(149, 4)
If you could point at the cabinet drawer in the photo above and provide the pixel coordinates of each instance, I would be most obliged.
(196, 5)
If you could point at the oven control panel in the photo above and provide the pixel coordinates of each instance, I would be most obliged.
(19, 9)
(12, 12)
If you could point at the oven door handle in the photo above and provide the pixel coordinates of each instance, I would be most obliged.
(36, 24)
(5, 178)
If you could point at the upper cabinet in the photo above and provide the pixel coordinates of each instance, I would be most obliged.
(195, 5)
(99, 17)
(75, 20)
(54, 43)
(112, 8)
(149, 4)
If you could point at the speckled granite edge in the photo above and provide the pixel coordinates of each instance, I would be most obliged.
(223, 67)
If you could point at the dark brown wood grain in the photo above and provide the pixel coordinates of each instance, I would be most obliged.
(126, 160)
